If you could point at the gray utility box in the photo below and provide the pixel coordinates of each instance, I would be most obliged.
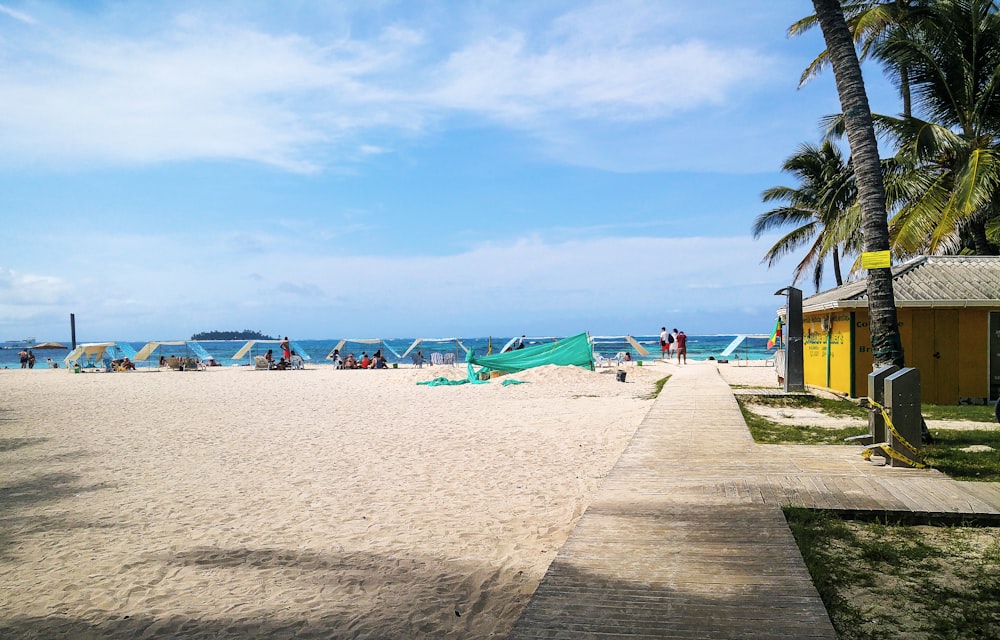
(902, 399)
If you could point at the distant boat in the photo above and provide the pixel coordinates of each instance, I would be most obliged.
(27, 343)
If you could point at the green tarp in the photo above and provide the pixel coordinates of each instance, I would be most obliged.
(573, 351)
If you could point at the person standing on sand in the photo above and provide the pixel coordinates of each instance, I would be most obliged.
(23, 357)
(664, 349)
(286, 349)
(681, 341)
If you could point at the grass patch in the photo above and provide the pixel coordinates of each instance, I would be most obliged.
(765, 431)
(883, 580)
(832, 408)
(947, 455)
(972, 413)
(657, 388)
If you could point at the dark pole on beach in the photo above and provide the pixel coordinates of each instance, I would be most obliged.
(794, 373)
(72, 329)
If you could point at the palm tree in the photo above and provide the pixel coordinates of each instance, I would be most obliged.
(873, 23)
(886, 345)
(824, 195)
(954, 155)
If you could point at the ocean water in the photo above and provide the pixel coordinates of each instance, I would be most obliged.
(699, 348)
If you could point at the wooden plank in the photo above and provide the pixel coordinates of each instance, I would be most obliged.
(685, 539)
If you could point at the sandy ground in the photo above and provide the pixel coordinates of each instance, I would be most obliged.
(234, 503)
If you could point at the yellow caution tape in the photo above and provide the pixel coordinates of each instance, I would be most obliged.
(917, 461)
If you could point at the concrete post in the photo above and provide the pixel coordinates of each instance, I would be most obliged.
(902, 399)
(876, 392)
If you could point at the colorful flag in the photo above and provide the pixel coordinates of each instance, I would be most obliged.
(775, 338)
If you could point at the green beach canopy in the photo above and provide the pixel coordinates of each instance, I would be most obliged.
(573, 351)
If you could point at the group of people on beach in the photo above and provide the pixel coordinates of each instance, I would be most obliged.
(289, 359)
(675, 341)
(376, 361)
(27, 359)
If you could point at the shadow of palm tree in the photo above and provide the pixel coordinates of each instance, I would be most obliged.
(13, 444)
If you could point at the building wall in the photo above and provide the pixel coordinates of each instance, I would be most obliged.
(950, 348)
(827, 340)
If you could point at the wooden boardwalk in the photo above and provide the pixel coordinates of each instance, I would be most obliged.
(686, 539)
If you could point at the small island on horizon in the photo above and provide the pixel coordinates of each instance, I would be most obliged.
(246, 334)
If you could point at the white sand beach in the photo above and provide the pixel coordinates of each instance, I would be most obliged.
(234, 503)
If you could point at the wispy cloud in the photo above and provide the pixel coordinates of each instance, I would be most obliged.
(202, 86)
(17, 15)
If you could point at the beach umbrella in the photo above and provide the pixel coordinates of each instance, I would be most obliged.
(50, 345)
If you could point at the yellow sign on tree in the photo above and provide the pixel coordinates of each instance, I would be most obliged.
(876, 260)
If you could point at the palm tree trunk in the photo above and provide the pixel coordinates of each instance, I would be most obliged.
(836, 267)
(886, 345)
(904, 72)
(982, 244)
(904, 91)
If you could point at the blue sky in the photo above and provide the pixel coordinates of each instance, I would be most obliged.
(397, 169)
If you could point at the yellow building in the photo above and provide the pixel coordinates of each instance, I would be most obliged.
(948, 308)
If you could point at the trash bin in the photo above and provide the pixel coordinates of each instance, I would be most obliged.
(621, 376)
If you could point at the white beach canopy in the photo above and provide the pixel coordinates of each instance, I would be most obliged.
(151, 347)
(379, 341)
(418, 341)
(641, 350)
(94, 351)
(248, 347)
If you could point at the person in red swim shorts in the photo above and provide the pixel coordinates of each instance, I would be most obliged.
(681, 341)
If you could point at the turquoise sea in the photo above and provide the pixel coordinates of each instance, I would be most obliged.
(699, 348)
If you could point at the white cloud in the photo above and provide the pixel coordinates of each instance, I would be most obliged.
(202, 86)
(30, 289)
(193, 91)
(17, 15)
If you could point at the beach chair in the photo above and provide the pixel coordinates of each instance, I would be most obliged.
(261, 363)
(437, 359)
(298, 362)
